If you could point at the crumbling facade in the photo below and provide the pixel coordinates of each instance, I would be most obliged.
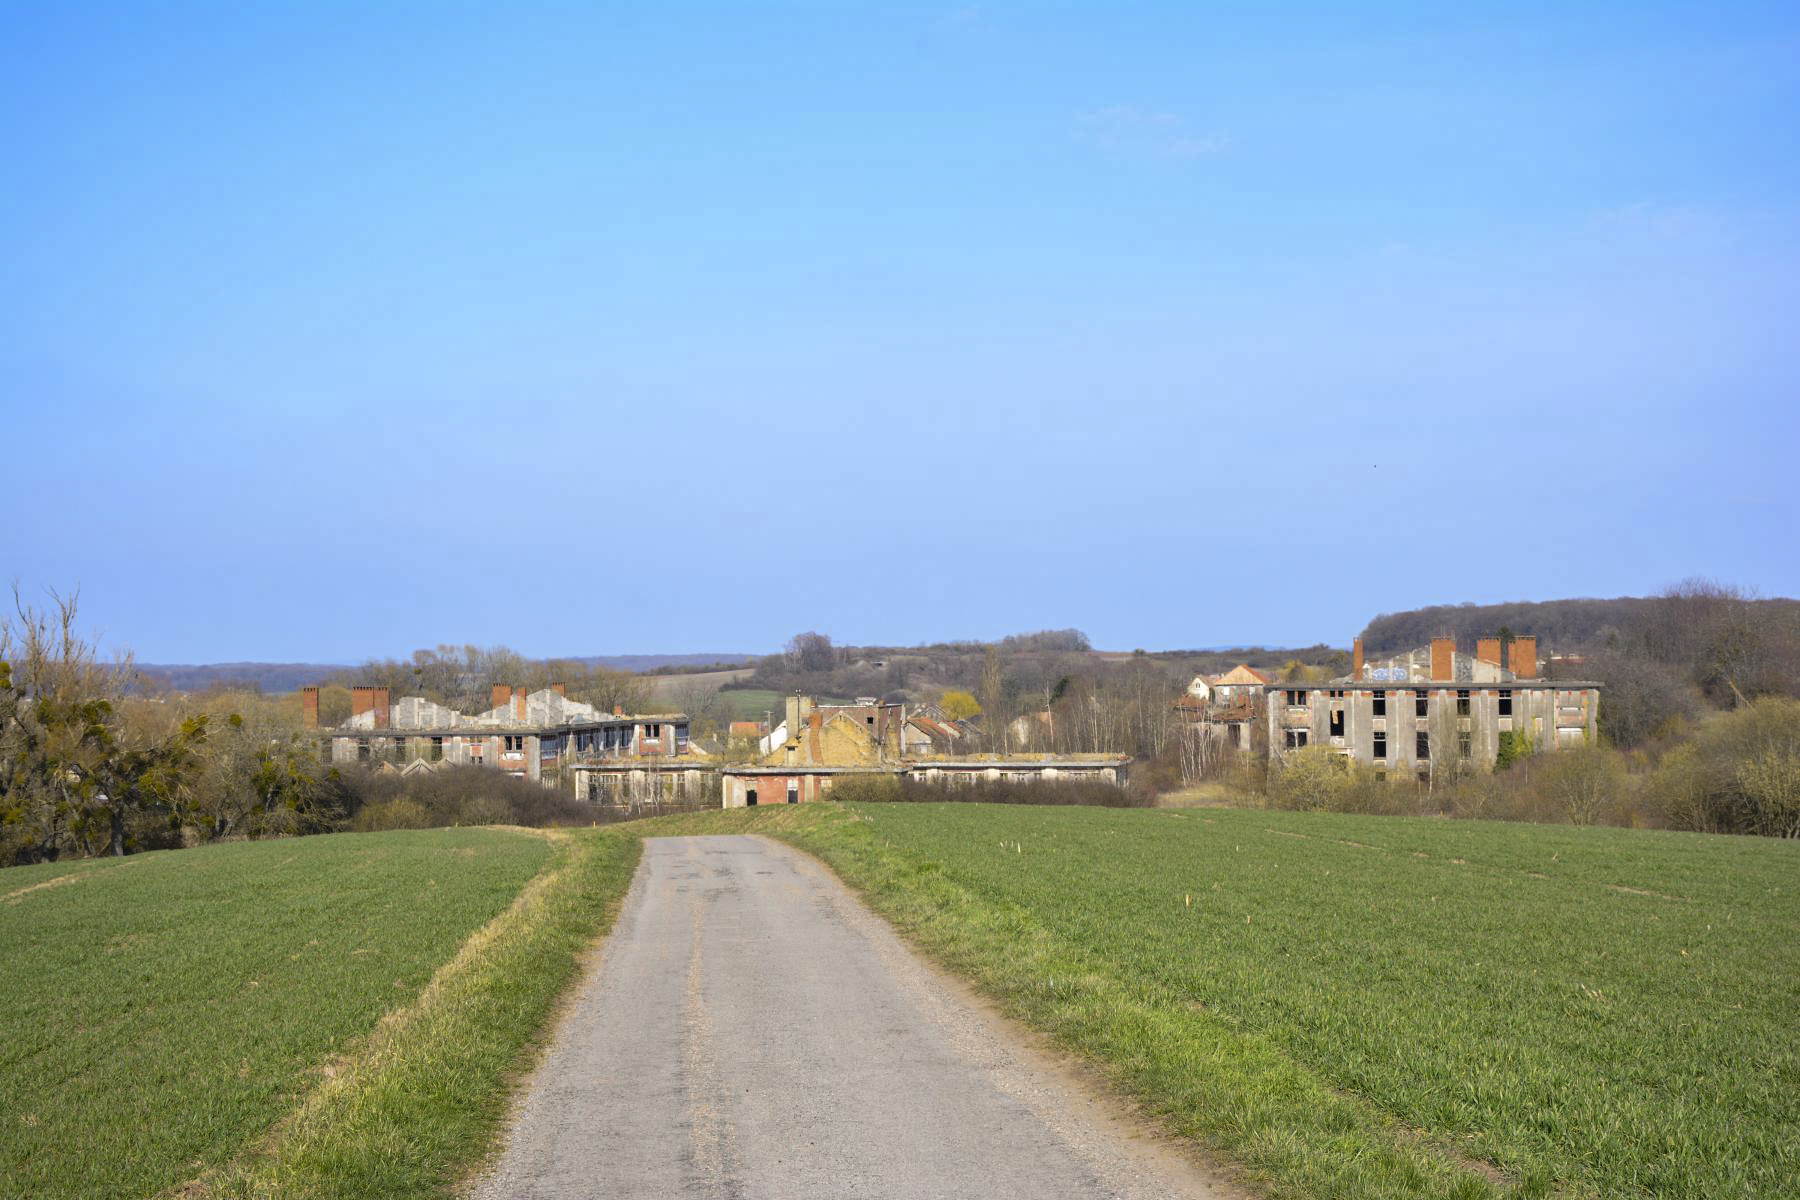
(540, 735)
(1417, 712)
(817, 745)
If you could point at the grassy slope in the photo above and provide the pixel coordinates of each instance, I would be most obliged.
(1377, 1006)
(158, 1014)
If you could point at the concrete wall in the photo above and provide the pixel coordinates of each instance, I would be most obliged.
(1555, 716)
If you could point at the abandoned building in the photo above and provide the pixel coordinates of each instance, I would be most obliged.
(542, 735)
(1224, 706)
(1433, 706)
(816, 745)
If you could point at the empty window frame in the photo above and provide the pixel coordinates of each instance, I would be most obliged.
(1337, 722)
(1296, 739)
(514, 742)
(362, 747)
(1296, 699)
(1380, 746)
(1380, 703)
(1421, 703)
(1422, 746)
(1463, 746)
(1462, 702)
(1506, 702)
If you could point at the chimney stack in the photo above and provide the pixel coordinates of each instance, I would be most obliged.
(370, 700)
(1443, 658)
(1356, 659)
(1524, 657)
(561, 689)
(618, 710)
(309, 707)
(500, 696)
(1487, 650)
(519, 703)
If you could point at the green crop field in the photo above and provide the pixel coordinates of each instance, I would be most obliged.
(161, 1014)
(1376, 1007)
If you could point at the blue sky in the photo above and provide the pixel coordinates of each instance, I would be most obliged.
(333, 330)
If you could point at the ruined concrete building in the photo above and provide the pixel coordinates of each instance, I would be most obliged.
(818, 744)
(1433, 706)
(540, 735)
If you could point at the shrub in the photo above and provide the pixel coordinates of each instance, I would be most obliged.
(1585, 783)
(398, 813)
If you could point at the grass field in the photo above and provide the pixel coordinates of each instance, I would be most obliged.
(300, 1017)
(1377, 1007)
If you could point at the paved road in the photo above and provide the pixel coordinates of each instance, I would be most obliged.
(752, 1031)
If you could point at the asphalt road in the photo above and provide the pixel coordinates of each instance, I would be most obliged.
(751, 1030)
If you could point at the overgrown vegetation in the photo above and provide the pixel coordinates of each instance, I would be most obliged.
(1362, 1008)
(891, 789)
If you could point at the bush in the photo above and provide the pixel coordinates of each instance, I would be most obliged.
(398, 813)
(1311, 779)
(1740, 774)
(1586, 784)
(460, 795)
(892, 789)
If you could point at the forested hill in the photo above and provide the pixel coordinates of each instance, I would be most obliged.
(1561, 626)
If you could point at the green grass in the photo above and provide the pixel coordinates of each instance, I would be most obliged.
(1376, 1007)
(258, 1016)
(750, 704)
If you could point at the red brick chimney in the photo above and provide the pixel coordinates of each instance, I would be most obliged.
(370, 699)
(1356, 659)
(519, 703)
(309, 707)
(500, 696)
(1524, 657)
(618, 710)
(561, 689)
(1443, 658)
(1487, 650)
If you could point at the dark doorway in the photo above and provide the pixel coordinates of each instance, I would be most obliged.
(750, 798)
(793, 791)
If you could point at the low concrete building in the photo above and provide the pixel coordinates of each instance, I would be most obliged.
(870, 738)
(1419, 711)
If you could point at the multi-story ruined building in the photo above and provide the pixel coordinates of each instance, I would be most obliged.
(540, 735)
(1432, 707)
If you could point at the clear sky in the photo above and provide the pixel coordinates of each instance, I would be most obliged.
(331, 330)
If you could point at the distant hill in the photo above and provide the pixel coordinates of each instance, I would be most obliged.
(1561, 626)
(286, 677)
(266, 677)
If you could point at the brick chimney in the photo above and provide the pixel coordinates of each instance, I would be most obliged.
(1524, 657)
(309, 707)
(618, 710)
(370, 699)
(561, 689)
(1356, 659)
(1487, 650)
(500, 696)
(519, 703)
(1443, 658)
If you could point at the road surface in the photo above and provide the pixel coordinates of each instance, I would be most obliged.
(751, 1030)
